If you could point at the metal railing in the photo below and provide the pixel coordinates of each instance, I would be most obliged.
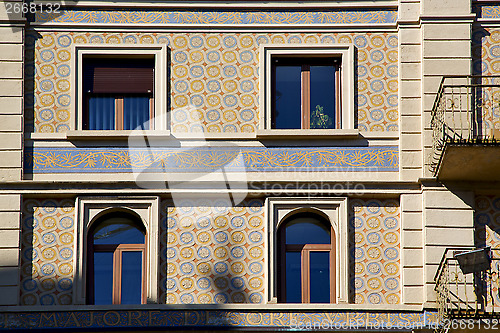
(473, 295)
(466, 111)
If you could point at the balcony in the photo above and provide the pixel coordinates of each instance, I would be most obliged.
(466, 129)
(467, 296)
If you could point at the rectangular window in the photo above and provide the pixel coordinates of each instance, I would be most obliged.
(306, 87)
(118, 93)
(306, 93)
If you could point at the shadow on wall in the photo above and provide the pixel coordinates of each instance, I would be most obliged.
(47, 242)
(212, 252)
(374, 247)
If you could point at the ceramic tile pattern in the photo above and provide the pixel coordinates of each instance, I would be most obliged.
(375, 251)
(221, 17)
(486, 61)
(47, 245)
(212, 253)
(209, 252)
(214, 77)
(487, 233)
(487, 221)
(242, 159)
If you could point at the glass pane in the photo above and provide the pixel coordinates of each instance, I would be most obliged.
(103, 277)
(101, 112)
(307, 230)
(131, 277)
(319, 278)
(118, 230)
(135, 112)
(323, 96)
(293, 278)
(287, 114)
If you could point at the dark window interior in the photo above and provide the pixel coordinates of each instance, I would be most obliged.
(306, 260)
(306, 93)
(116, 261)
(118, 93)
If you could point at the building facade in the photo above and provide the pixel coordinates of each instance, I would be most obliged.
(266, 165)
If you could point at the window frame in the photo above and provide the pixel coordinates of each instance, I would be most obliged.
(117, 250)
(304, 250)
(305, 73)
(343, 51)
(91, 209)
(334, 211)
(158, 51)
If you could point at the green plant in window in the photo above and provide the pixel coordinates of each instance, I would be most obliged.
(319, 120)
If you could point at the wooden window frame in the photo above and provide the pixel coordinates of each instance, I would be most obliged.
(305, 250)
(117, 250)
(305, 83)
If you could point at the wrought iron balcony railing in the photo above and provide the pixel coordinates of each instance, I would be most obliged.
(466, 111)
(473, 295)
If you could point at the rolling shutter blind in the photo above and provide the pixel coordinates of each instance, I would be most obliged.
(119, 76)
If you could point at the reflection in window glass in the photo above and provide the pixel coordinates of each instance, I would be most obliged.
(287, 97)
(305, 256)
(322, 97)
(319, 278)
(118, 231)
(131, 277)
(117, 248)
(307, 231)
(103, 278)
(293, 283)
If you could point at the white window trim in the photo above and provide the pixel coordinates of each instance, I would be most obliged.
(160, 79)
(89, 209)
(335, 210)
(345, 51)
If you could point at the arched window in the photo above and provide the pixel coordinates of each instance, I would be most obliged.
(116, 260)
(306, 260)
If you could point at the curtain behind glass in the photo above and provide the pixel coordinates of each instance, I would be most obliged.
(135, 112)
(101, 114)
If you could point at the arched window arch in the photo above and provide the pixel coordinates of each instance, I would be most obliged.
(116, 260)
(306, 260)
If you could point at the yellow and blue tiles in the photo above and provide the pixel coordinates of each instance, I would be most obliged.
(214, 77)
(254, 159)
(47, 258)
(212, 253)
(213, 17)
(375, 255)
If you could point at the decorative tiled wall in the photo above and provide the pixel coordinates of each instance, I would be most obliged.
(375, 257)
(487, 221)
(47, 245)
(486, 61)
(206, 160)
(261, 17)
(212, 253)
(487, 11)
(214, 77)
(487, 233)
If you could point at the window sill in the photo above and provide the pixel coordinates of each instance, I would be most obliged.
(310, 134)
(213, 136)
(116, 135)
(101, 135)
